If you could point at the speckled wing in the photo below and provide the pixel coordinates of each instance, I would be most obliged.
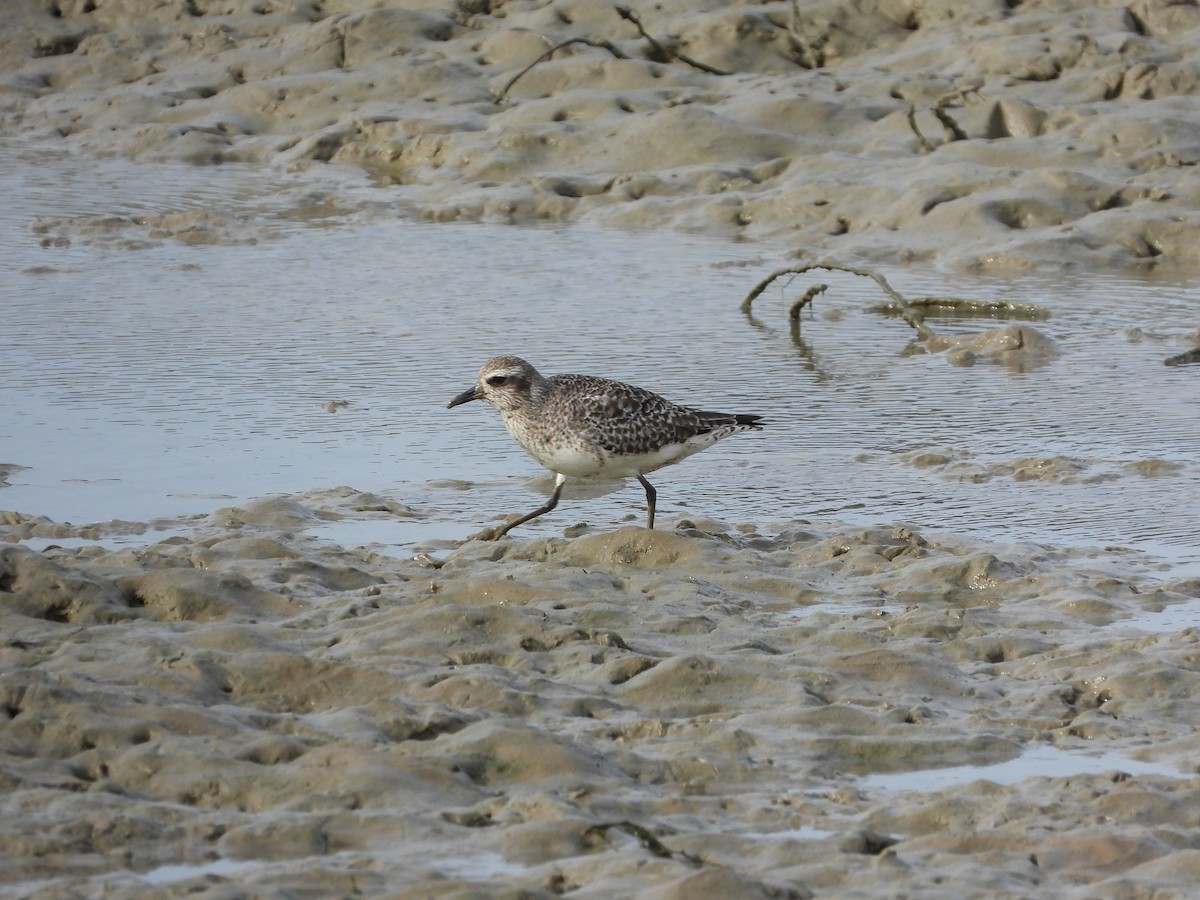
(625, 419)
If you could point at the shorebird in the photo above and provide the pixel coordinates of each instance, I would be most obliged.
(585, 427)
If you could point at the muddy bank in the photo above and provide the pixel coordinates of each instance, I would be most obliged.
(695, 712)
(688, 712)
(991, 136)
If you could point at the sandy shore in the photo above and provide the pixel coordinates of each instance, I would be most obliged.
(685, 713)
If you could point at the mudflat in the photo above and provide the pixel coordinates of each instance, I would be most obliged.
(697, 711)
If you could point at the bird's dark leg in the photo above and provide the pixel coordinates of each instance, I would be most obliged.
(553, 502)
(651, 496)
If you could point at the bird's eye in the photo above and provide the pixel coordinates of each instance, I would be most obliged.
(497, 380)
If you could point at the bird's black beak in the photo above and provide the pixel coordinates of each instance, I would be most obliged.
(465, 397)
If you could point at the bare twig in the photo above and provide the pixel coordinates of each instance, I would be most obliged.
(812, 363)
(807, 54)
(809, 296)
(940, 111)
(794, 327)
(912, 123)
(644, 837)
(630, 16)
(603, 45)
(953, 132)
(911, 315)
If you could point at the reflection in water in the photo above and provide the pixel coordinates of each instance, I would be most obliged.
(160, 375)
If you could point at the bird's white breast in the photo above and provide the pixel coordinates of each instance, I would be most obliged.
(581, 462)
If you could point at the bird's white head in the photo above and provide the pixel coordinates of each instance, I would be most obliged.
(506, 382)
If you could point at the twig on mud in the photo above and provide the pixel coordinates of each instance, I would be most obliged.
(806, 54)
(953, 132)
(645, 838)
(602, 45)
(630, 16)
(912, 123)
(939, 110)
(910, 314)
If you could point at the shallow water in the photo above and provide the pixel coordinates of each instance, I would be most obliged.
(226, 868)
(1172, 619)
(148, 376)
(1038, 761)
(791, 834)
(478, 867)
